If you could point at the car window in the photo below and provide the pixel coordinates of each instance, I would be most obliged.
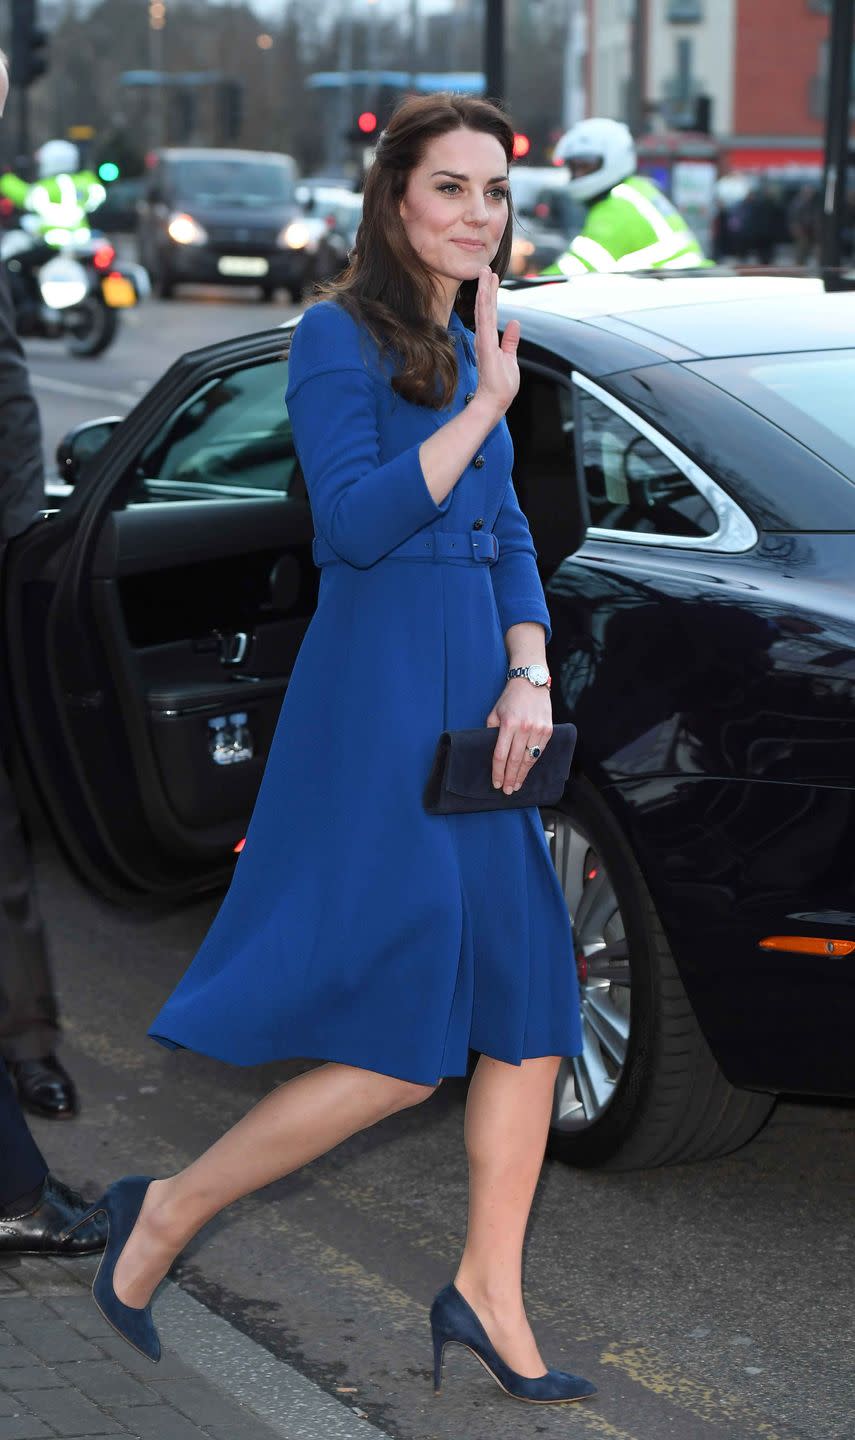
(631, 485)
(233, 437)
(541, 425)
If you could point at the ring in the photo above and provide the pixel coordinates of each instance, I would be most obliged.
(534, 751)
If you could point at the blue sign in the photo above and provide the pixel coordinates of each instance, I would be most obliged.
(466, 82)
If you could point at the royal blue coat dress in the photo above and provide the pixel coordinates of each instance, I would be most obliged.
(358, 928)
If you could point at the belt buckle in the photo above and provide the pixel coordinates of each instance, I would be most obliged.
(477, 539)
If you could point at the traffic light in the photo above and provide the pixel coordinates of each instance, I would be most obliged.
(703, 114)
(364, 130)
(29, 44)
(231, 108)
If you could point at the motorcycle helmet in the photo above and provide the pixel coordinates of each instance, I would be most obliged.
(57, 157)
(599, 154)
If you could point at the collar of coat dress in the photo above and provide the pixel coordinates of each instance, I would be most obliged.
(458, 330)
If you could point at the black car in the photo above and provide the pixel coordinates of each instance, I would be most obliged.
(228, 217)
(119, 210)
(546, 217)
(685, 453)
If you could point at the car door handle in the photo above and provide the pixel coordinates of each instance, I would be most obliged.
(233, 647)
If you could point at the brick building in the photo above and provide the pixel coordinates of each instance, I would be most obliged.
(763, 64)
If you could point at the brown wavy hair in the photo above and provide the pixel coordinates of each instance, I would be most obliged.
(387, 287)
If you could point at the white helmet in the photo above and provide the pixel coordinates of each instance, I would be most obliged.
(603, 151)
(57, 157)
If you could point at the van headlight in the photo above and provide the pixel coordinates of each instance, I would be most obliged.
(294, 236)
(301, 234)
(184, 230)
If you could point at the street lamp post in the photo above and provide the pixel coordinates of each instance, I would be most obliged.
(838, 148)
(414, 42)
(156, 27)
(638, 74)
(494, 48)
(344, 107)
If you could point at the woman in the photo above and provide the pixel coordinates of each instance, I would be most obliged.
(358, 929)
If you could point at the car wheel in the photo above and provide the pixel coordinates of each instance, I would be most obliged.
(94, 327)
(646, 1089)
(268, 294)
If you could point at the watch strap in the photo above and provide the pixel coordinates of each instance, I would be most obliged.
(521, 671)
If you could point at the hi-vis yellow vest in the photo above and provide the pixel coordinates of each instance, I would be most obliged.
(634, 227)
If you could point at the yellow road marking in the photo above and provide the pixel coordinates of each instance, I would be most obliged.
(645, 1367)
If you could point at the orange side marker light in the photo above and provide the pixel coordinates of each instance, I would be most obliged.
(807, 945)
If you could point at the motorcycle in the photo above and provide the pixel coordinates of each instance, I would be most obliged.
(75, 292)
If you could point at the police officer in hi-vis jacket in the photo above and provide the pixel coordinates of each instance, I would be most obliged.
(630, 224)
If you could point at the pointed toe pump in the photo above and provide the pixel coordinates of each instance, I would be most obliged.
(453, 1321)
(121, 1204)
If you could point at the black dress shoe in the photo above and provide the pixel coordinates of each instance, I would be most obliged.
(45, 1088)
(40, 1230)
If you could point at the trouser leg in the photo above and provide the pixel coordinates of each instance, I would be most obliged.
(29, 1025)
(23, 1168)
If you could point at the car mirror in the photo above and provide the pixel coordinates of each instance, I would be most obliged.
(78, 448)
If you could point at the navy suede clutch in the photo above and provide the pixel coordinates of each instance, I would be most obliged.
(461, 776)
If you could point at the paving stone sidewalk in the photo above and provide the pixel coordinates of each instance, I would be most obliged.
(65, 1372)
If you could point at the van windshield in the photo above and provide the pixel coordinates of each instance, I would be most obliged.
(238, 184)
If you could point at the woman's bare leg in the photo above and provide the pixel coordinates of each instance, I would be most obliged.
(507, 1120)
(298, 1121)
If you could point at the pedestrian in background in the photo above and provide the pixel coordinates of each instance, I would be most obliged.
(29, 1024)
(805, 217)
(359, 929)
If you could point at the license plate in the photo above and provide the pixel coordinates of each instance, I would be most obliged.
(119, 292)
(242, 265)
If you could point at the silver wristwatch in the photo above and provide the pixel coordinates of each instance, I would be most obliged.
(537, 674)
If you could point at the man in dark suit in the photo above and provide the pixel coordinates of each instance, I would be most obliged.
(29, 1026)
(35, 1207)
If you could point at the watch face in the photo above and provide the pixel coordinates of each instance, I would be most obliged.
(538, 674)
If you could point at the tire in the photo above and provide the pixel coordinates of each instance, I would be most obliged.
(268, 294)
(296, 293)
(647, 1090)
(97, 329)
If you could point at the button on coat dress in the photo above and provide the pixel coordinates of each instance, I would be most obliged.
(358, 928)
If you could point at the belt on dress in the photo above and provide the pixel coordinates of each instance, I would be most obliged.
(474, 547)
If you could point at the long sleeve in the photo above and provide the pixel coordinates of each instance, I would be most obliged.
(516, 581)
(361, 507)
(22, 484)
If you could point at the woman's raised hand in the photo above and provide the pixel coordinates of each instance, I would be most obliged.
(498, 371)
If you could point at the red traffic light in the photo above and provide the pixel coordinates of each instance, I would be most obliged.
(367, 122)
(522, 145)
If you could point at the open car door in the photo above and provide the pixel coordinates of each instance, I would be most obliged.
(151, 625)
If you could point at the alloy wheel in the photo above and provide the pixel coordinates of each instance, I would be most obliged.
(586, 1083)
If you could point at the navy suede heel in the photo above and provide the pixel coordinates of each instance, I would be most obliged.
(121, 1203)
(453, 1321)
